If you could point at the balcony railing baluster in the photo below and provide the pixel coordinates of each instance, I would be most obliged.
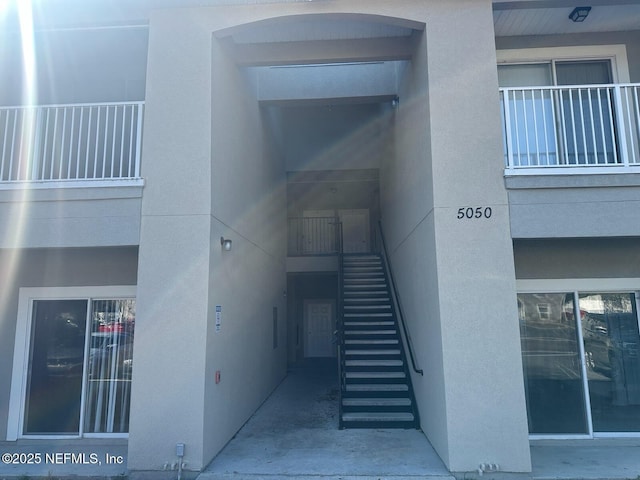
(63, 142)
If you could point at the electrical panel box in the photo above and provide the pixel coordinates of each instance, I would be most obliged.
(179, 449)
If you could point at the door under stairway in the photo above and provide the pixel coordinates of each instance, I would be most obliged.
(376, 390)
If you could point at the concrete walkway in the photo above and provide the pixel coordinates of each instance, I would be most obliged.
(295, 435)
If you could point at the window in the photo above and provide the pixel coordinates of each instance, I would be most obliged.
(555, 113)
(543, 311)
(551, 362)
(78, 360)
(581, 363)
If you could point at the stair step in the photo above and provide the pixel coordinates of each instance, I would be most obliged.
(371, 265)
(377, 387)
(367, 307)
(369, 314)
(348, 275)
(367, 300)
(360, 317)
(370, 288)
(373, 270)
(363, 272)
(361, 295)
(361, 258)
(373, 290)
(385, 375)
(374, 363)
(376, 402)
(371, 352)
(378, 416)
(369, 324)
(366, 333)
(382, 341)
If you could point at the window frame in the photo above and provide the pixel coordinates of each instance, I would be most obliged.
(22, 345)
(616, 53)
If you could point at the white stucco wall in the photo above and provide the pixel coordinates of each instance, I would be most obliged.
(456, 276)
(211, 171)
(205, 175)
(70, 217)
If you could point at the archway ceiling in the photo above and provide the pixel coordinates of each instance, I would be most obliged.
(318, 58)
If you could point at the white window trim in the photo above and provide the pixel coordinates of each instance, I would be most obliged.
(26, 297)
(576, 286)
(616, 53)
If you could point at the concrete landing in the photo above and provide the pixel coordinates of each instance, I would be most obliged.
(295, 435)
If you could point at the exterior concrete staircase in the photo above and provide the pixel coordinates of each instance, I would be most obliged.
(376, 389)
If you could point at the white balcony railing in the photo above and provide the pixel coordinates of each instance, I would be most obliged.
(70, 142)
(586, 126)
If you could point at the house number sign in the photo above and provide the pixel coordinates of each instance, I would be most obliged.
(469, 213)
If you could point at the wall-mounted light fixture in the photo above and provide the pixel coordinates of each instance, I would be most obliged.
(226, 243)
(579, 14)
(395, 101)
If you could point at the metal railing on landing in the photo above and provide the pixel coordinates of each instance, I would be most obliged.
(396, 300)
(52, 143)
(584, 126)
(313, 236)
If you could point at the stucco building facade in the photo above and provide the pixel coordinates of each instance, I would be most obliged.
(497, 143)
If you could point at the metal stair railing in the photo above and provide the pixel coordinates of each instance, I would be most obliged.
(339, 332)
(396, 300)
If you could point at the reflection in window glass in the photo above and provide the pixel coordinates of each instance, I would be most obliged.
(612, 353)
(59, 359)
(56, 361)
(110, 366)
(551, 362)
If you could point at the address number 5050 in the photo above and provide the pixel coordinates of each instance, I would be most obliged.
(474, 212)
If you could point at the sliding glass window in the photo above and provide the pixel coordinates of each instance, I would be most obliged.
(79, 366)
(612, 355)
(581, 360)
(551, 361)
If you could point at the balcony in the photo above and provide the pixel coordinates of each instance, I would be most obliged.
(79, 144)
(571, 129)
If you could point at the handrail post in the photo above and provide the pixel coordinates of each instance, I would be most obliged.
(619, 118)
(139, 140)
(507, 129)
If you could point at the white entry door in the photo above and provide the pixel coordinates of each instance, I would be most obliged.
(355, 230)
(318, 323)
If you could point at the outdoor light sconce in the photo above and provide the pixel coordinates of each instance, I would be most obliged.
(226, 244)
(579, 14)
